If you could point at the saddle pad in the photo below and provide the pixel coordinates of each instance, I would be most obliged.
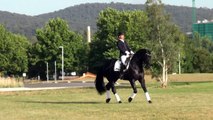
(117, 65)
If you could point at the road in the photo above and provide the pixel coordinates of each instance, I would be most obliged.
(65, 84)
(48, 86)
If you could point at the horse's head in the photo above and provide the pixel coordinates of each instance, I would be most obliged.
(147, 59)
(144, 56)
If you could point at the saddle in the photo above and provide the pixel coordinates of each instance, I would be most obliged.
(118, 65)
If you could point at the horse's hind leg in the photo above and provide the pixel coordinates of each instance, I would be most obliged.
(115, 93)
(108, 98)
(132, 82)
(143, 85)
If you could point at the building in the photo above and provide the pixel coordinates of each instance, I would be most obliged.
(204, 28)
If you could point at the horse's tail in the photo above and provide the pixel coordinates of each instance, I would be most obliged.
(99, 83)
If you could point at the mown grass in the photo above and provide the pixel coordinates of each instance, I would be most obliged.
(179, 101)
(192, 77)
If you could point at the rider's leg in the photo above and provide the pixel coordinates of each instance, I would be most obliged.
(124, 62)
(123, 65)
(123, 59)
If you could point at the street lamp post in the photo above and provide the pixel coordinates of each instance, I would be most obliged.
(47, 72)
(55, 73)
(179, 63)
(62, 66)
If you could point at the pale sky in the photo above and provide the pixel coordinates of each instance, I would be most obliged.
(36, 7)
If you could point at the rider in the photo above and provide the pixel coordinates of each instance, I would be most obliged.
(124, 49)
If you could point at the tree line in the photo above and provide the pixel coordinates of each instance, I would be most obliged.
(151, 29)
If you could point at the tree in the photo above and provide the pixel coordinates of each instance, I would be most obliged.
(165, 40)
(13, 53)
(187, 65)
(202, 61)
(199, 56)
(57, 33)
(109, 23)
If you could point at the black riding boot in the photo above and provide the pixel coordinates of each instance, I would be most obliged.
(123, 67)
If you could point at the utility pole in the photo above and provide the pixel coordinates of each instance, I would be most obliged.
(193, 12)
(88, 34)
(193, 17)
(62, 66)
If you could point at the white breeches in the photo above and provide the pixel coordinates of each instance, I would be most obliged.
(123, 59)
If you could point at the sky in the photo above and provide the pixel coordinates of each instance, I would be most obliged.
(36, 7)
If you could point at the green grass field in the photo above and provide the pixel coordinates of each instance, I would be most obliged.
(180, 101)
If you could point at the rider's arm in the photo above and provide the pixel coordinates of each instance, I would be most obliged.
(121, 48)
(129, 49)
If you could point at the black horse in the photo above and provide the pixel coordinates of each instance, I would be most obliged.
(135, 72)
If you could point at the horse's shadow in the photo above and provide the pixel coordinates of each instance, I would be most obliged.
(64, 102)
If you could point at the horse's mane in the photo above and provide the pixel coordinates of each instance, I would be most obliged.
(141, 52)
(140, 55)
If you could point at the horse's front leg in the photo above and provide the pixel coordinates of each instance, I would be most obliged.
(143, 85)
(132, 82)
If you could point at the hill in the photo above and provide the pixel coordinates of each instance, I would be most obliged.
(80, 16)
(21, 24)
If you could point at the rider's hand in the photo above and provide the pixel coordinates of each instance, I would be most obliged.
(132, 52)
(127, 52)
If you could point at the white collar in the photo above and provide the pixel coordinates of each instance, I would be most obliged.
(121, 40)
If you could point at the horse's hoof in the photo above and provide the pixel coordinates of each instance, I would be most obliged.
(130, 99)
(150, 101)
(108, 100)
(119, 102)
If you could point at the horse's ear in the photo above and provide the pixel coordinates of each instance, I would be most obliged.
(148, 52)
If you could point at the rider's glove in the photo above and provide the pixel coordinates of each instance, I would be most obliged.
(127, 52)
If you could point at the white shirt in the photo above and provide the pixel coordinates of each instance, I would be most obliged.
(121, 40)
